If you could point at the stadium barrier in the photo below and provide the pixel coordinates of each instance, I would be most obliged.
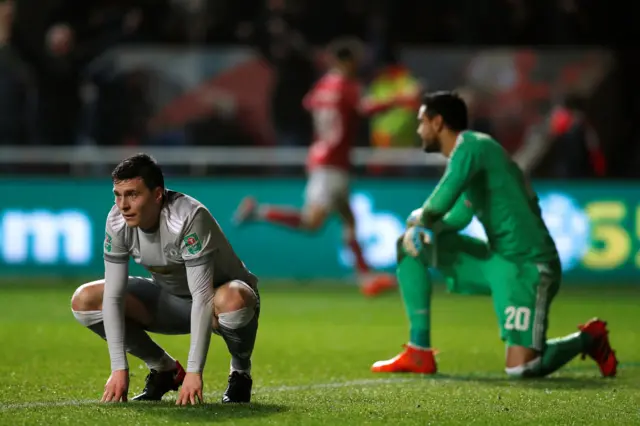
(206, 156)
(55, 227)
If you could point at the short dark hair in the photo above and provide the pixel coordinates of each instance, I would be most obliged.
(139, 166)
(450, 106)
(346, 49)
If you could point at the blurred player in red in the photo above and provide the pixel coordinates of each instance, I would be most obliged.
(336, 106)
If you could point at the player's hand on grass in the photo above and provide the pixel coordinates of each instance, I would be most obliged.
(415, 218)
(117, 387)
(191, 390)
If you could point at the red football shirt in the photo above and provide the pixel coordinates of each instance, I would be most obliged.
(333, 102)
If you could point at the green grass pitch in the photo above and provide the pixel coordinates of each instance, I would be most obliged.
(311, 364)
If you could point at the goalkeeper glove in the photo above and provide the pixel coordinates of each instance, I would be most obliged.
(415, 218)
(414, 240)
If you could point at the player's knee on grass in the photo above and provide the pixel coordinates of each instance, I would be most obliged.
(527, 369)
(235, 305)
(522, 362)
(519, 355)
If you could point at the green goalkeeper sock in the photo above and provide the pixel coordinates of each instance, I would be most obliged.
(562, 350)
(415, 287)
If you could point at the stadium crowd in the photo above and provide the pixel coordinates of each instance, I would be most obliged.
(48, 85)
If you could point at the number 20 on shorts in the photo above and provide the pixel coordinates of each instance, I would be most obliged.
(517, 318)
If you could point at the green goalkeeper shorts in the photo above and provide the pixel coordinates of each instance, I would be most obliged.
(521, 292)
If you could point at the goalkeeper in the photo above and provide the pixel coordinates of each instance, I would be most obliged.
(519, 266)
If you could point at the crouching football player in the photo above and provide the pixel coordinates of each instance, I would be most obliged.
(198, 286)
(519, 267)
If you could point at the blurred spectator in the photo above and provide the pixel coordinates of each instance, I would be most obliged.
(395, 127)
(16, 86)
(59, 58)
(479, 109)
(53, 91)
(279, 37)
(567, 147)
(576, 151)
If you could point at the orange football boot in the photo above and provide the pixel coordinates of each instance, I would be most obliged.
(601, 351)
(375, 284)
(411, 360)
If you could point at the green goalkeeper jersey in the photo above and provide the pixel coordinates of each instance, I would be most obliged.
(481, 175)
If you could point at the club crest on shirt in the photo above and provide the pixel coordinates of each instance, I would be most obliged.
(107, 242)
(192, 243)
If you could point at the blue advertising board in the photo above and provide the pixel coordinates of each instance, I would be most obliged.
(55, 227)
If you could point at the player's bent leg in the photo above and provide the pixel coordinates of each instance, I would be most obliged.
(349, 234)
(314, 216)
(170, 315)
(86, 304)
(526, 362)
(325, 189)
(592, 339)
(415, 288)
(236, 313)
(250, 211)
(310, 218)
(522, 362)
(600, 350)
(460, 259)
(523, 306)
(371, 283)
(321, 190)
(165, 372)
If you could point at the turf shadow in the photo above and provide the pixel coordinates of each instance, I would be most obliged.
(208, 412)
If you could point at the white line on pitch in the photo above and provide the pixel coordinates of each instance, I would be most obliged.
(258, 391)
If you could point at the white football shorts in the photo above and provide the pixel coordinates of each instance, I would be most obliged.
(327, 187)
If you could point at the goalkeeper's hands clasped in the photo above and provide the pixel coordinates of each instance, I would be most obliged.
(414, 240)
(415, 218)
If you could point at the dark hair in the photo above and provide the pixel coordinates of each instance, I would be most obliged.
(345, 49)
(575, 101)
(450, 106)
(139, 166)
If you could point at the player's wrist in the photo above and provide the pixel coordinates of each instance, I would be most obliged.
(427, 218)
(119, 367)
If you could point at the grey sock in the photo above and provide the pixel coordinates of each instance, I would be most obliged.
(240, 343)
